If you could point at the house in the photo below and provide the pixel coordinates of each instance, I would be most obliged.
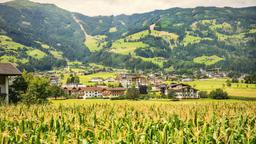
(96, 80)
(6, 70)
(54, 80)
(114, 92)
(163, 89)
(73, 89)
(187, 80)
(110, 79)
(153, 80)
(184, 91)
(90, 92)
(127, 80)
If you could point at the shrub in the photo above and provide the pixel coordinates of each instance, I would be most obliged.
(203, 94)
(218, 94)
(132, 93)
(171, 94)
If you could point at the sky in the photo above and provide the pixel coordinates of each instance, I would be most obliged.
(116, 7)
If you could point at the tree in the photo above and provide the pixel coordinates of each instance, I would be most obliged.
(56, 91)
(251, 79)
(218, 94)
(235, 80)
(132, 93)
(228, 82)
(73, 79)
(143, 89)
(38, 91)
(30, 89)
(19, 87)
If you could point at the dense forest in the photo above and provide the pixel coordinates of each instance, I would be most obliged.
(177, 39)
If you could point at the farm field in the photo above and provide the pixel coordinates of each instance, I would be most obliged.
(236, 89)
(105, 121)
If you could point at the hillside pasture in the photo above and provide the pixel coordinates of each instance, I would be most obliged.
(207, 60)
(37, 54)
(8, 44)
(95, 43)
(125, 48)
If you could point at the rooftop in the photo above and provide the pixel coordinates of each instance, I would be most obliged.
(8, 69)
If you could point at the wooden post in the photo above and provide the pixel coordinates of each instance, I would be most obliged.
(7, 89)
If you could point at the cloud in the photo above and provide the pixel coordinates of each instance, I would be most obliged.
(115, 7)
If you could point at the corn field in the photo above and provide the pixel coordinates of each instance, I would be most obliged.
(130, 122)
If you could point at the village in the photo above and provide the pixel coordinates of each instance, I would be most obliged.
(114, 84)
(155, 84)
(144, 84)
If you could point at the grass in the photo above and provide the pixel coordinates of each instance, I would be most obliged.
(37, 54)
(125, 48)
(92, 44)
(156, 60)
(94, 65)
(155, 33)
(253, 30)
(190, 39)
(7, 43)
(12, 59)
(237, 89)
(43, 45)
(104, 121)
(207, 60)
(113, 29)
(138, 35)
(57, 54)
(84, 79)
(74, 63)
(95, 43)
(165, 35)
(224, 26)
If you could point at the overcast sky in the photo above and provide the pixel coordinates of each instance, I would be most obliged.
(115, 7)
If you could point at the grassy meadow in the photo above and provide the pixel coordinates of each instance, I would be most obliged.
(105, 121)
(236, 89)
(85, 79)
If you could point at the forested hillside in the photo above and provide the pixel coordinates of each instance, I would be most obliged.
(39, 36)
(177, 39)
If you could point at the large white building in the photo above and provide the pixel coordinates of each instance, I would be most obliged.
(90, 92)
(183, 91)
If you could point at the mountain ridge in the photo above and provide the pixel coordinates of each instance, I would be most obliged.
(179, 39)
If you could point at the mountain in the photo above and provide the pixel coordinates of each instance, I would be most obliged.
(177, 39)
(41, 35)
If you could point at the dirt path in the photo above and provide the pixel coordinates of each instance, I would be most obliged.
(81, 26)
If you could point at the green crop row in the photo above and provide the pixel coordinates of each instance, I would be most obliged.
(130, 122)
